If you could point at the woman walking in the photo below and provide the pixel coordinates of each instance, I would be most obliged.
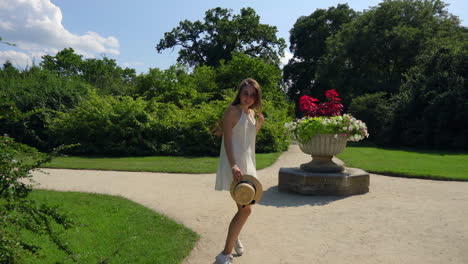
(237, 156)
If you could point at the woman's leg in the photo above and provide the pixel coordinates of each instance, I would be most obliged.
(235, 227)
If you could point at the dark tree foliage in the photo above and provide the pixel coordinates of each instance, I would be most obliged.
(432, 110)
(308, 45)
(373, 52)
(400, 67)
(221, 33)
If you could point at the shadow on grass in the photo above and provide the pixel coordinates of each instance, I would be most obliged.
(273, 197)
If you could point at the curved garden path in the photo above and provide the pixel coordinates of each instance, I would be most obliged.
(399, 221)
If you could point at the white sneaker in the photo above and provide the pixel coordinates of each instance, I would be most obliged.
(239, 248)
(224, 259)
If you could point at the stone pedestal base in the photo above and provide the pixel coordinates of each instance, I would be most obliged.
(349, 182)
(322, 164)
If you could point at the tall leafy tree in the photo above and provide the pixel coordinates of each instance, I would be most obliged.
(167, 86)
(107, 76)
(220, 34)
(308, 45)
(374, 51)
(432, 107)
(9, 70)
(65, 63)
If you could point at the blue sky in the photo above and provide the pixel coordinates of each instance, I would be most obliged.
(128, 31)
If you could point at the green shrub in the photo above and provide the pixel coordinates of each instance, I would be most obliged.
(273, 135)
(376, 111)
(122, 126)
(18, 213)
(35, 94)
(106, 125)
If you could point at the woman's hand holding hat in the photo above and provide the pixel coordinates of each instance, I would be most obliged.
(236, 172)
(248, 190)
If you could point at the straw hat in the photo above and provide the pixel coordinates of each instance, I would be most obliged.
(246, 191)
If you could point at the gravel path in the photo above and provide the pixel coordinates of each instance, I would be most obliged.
(399, 221)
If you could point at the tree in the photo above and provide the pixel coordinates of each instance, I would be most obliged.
(64, 63)
(107, 76)
(168, 86)
(231, 73)
(104, 73)
(373, 52)
(9, 71)
(308, 45)
(221, 33)
(432, 107)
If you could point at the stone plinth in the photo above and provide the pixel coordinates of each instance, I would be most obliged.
(349, 182)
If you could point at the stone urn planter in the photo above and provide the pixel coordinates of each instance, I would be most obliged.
(322, 148)
(322, 176)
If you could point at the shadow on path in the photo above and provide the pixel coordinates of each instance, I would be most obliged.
(273, 197)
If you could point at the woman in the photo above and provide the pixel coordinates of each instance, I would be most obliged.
(237, 155)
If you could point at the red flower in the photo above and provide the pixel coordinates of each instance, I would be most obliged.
(306, 103)
(331, 94)
(308, 106)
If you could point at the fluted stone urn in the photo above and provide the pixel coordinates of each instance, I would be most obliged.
(322, 148)
(322, 176)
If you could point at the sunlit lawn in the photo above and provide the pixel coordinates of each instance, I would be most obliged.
(111, 229)
(408, 162)
(153, 163)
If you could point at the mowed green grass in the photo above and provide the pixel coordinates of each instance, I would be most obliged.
(440, 165)
(112, 229)
(153, 164)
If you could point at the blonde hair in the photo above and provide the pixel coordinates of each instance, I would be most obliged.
(217, 129)
(257, 106)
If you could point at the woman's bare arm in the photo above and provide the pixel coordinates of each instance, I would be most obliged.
(260, 121)
(230, 117)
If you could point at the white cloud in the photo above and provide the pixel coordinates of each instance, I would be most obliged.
(35, 26)
(5, 25)
(285, 59)
(18, 59)
(132, 64)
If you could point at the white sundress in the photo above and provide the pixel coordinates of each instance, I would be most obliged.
(243, 145)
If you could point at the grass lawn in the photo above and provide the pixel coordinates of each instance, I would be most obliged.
(440, 165)
(154, 163)
(112, 229)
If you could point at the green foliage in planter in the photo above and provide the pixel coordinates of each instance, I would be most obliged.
(304, 129)
(309, 127)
